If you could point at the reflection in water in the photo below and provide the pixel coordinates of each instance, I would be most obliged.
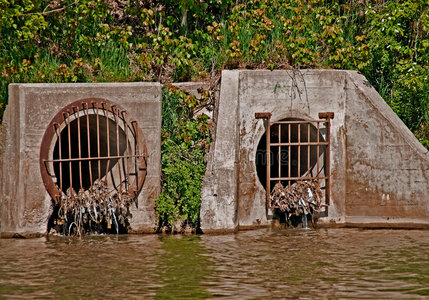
(262, 264)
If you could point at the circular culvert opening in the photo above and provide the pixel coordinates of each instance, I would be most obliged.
(93, 165)
(86, 171)
(284, 160)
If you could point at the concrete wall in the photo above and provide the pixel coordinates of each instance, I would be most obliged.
(25, 205)
(379, 170)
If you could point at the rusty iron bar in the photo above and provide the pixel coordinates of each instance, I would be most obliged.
(280, 150)
(299, 149)
(298, 178)
(116, 114)
(106, 113)
(79, 145)
(134, 124)
(268, 138)
(300, 144)
(88, 140)
(56, 126)
(125, 162)
(308, 149)
(289, 151)
(328, 116)
(98, 140)
(318, 148)
(267, 117)
(328, 162)
(69, 144)
(94, 158)
(299, 122)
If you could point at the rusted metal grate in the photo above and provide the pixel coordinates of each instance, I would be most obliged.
(297, 150)
(89, 142)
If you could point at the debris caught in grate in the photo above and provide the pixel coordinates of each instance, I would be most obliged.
(300, 199)
(95, 210)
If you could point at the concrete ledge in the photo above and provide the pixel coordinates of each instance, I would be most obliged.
(21, 235)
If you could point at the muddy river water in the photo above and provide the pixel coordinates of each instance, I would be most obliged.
(257, 264)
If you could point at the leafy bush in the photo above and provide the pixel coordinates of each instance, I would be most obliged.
(91, 40)
(185, 140)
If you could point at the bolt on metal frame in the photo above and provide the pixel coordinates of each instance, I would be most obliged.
(130, 163)
(299, 144)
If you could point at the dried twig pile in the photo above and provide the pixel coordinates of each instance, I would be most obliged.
(299, 199)
(94, 210)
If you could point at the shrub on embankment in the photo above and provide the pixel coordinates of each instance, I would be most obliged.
(167, 41)
(107, 40)
(185, 139)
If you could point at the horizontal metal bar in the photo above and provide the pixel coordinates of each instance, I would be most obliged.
(298, 122)
(262, 115)
(276, 206)
(326, 115)
(296, 178)
(301, 144)
(94, 158)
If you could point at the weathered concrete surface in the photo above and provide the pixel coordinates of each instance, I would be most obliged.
(24, 204)
(379, 170)
(219, 190)
(387, 168)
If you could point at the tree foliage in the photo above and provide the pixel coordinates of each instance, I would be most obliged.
(119, 40)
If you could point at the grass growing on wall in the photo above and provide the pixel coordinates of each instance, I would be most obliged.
(185, 140)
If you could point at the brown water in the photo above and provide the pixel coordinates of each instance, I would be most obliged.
(259, 264)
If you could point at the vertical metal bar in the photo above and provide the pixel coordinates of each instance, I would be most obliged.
(98, 143)
(124, 164)
(134, 124)
(318, 151)
(79, 146)
(280, 151)
(289, 153)
(268, 138)
(89, 143)
(308, 149)
(60, 162)
(299, 150)
(328, 158)
(108, 139)
(116, 114)
(69, 142)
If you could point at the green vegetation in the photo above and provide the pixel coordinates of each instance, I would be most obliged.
(185, 140)
(167, 41)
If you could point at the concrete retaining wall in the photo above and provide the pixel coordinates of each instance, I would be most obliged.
(380, 172)
(25, 204)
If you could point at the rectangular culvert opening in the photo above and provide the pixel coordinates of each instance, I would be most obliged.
(296, 179)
